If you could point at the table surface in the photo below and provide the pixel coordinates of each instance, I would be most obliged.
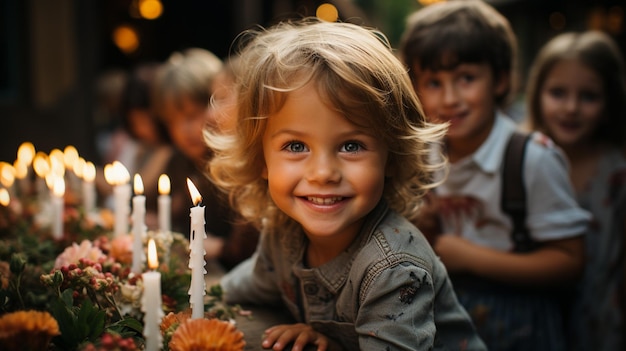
(262, 317)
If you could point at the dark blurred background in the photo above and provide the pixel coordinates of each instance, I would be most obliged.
(55, 54)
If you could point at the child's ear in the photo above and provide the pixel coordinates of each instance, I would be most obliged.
(503, 84)
(264, 172)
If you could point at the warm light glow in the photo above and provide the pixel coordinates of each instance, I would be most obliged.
(557, 20)
(41, 164)
(70, 157)
(7, 174)
(126, 39)
(50, 179)
(429, 2)
(196, 198)
(58, 188)
(79, 167)
(327, 12)
(153, 259)
(164, 184)
(150, 9)
(26, 152)
(21, 169)
(89, 171)
(57, 162)
(116, 173)
(4, 197)
(138, 184)
(615, 20)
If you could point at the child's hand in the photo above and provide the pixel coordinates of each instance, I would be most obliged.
(279, 336)
(454, 252)
(427, 220)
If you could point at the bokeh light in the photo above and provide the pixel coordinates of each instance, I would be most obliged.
(126, 39)
(150, 9)
(327, 12)
(557, 21)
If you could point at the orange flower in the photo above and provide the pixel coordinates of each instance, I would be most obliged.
(207, 335)
(122, 249)
(27, 330)
(171, 321)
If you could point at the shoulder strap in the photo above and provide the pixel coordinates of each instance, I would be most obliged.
(513, 199)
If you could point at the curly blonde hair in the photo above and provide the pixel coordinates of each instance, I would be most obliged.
(354, 68)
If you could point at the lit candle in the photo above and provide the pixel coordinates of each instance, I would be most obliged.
(41, 165)
(197, 290)
(7, 176)
(5, 198)
(25, 156)
(165, 204)
(21, 175)
(151, 301)
(117, 175)
(58, 191)
(139, 225)
(70, 161)
(89, 187)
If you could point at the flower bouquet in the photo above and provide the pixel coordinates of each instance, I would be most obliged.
(76, 291)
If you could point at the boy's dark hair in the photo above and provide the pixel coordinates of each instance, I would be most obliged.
(444, 35)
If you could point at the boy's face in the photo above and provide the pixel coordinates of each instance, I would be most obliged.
(323, 171)
(572, 101)
(463, 96)
(185, 122)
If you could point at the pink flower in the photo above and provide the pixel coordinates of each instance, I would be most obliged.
(74, 253)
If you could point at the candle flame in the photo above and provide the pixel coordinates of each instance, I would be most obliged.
(79, 167)
(196, 198)
(70, 156)
(7, 174)
(138, 184)
(116, 174)
(21, 169)
(164, 184)
(89, 171)
(41, 164)
(123, 172)
(50, 178)
(26, 152)
(4, 197)
(153, 260)
(58, 187)
(57, 162)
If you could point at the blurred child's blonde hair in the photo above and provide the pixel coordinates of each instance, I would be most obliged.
(599, 52)
(355, 70)
(186, 75)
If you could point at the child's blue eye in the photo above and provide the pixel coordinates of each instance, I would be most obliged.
(295, 146)
(351, 147)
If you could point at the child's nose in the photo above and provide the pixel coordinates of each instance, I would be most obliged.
(450, 94)
(323, 168)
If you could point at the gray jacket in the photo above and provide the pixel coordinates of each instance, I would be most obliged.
(387, 291)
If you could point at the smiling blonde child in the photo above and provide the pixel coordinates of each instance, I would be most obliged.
(331, 152)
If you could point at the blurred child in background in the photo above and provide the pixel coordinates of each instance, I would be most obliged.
(577, 96)
(461, 59)
(183, 93)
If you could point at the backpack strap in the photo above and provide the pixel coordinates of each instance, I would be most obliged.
(513, 200)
